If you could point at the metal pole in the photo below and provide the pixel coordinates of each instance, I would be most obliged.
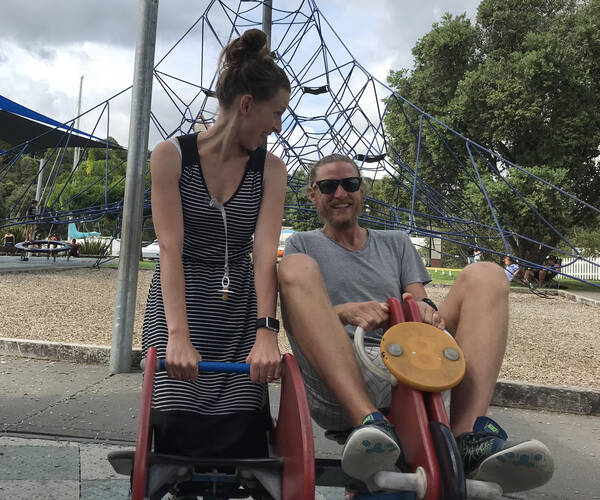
(266, 27)
(77, 151)
(40, 177)
(131, 231)
(267, 20)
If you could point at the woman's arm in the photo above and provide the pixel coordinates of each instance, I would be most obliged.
(265, 357)
(165, 166)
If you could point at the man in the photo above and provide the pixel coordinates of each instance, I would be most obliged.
(341, 276)
(30, 216)
(74, 250)
(544, 274)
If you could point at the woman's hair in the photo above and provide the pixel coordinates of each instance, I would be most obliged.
(246, 66)
(332, 158)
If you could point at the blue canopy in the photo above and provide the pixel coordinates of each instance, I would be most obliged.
(19, 125)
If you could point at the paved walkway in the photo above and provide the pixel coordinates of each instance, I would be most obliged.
(13, 263)
(61, 419)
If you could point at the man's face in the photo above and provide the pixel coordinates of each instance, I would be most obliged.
(341, 209)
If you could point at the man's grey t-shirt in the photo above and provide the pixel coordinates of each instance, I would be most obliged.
(382, 269)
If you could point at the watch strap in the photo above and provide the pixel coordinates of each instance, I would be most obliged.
(269, 323)
(430, 302)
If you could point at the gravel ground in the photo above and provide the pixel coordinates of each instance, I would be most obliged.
(551, 341)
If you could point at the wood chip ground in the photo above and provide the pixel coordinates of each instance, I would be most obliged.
(551, 341)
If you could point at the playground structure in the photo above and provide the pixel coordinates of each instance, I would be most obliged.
(336, 105)
(433, 467)
(49, 247)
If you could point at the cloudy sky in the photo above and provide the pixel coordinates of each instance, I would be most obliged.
(45, 46)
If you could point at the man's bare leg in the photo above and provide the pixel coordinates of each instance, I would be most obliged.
(476, 313)
(309, 316)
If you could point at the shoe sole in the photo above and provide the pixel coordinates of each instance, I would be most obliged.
(522, 467)
(369, 450)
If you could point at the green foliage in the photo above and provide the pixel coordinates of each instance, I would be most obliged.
(524, 81)
(93, 247)
(586, 238)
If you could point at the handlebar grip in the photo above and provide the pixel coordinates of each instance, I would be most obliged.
(206, 366)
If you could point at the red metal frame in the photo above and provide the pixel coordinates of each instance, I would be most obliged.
(144, 433)
(412, 410)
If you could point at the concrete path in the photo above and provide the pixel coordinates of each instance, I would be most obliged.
(61, 419)
(13, 263)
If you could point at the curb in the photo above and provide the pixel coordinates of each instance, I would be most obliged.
(562, 399)
(74, 353)
(508, 393)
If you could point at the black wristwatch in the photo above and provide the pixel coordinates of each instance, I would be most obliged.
(268, 323)
(427, 300)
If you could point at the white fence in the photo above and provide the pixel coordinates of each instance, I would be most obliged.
(581, 269)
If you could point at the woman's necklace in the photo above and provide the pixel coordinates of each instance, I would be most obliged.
(225, 291)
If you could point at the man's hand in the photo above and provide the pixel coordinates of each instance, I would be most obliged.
(367, 315)
(428, 314)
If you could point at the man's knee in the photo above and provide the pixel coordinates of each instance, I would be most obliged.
(486, 276)
(297, 269)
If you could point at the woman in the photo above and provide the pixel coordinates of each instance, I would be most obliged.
(210, 193)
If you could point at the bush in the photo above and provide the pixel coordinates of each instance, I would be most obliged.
(93, 247)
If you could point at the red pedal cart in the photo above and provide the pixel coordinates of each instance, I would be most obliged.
(433, 468)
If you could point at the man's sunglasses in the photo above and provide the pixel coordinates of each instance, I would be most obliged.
(329, 186)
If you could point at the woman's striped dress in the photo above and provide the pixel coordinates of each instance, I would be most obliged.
(220, 330)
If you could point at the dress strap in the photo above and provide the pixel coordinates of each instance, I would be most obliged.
(256, 162)
(189, 149)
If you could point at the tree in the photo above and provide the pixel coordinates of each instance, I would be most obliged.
(524, 81)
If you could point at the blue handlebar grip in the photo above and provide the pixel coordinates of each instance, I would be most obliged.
(207, 366)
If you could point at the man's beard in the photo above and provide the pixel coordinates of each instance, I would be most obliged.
(336, 223)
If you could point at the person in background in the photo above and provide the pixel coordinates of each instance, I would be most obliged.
(543, 275)
(9, 239)
(511, 269)
(74, 250)
(470, 255)
(30, 216)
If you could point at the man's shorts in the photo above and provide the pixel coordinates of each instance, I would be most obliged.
(324, 408)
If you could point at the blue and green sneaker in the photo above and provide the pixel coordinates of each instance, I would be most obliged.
(370, 448)
(489, 456)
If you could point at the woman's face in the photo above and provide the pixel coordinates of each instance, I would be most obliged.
(261, 118)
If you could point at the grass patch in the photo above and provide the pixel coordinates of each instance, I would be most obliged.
(142, 264)
(441, 276)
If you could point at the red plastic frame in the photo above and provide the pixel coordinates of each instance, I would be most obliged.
(144, 433)
(412, 410)
(293, 435)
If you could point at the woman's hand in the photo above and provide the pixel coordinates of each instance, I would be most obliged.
(182, 359)
(264, 358)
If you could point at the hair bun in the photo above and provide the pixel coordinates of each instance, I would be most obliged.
(251, 45)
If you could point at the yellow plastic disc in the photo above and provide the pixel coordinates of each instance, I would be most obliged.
(422, 356)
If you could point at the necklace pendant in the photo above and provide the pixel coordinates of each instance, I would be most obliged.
(225, 292)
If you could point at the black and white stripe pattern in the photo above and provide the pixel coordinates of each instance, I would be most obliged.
(220, 330)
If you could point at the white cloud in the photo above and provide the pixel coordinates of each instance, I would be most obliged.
(46, 46)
